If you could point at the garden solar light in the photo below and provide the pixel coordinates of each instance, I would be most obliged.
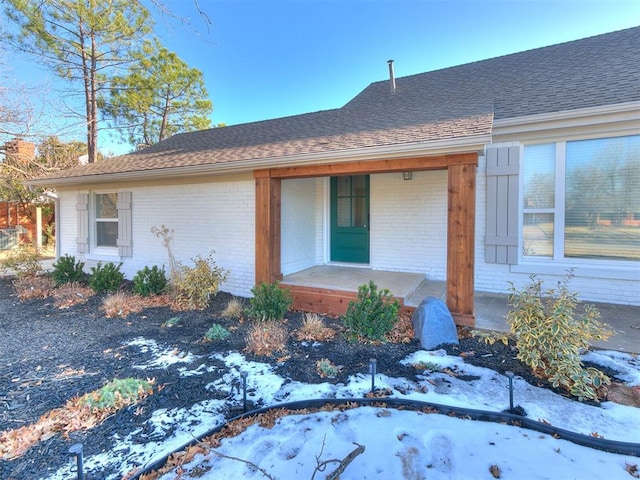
(510, 376)
(76, 451)
(244, 390)
(372, 371)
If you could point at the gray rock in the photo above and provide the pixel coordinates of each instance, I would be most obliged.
(433, 324)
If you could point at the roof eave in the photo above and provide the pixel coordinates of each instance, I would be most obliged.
(433, 147)
(619, 118)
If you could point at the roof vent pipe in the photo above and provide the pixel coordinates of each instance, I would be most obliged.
(392, 77)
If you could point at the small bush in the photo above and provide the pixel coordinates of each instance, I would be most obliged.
(172, 322)
(71, 294)
(119, 393)
(107, 278)
(430, 366)
(150, 281)
(24, 261)
(216, 332)
(193, 286)
(121, 304)
(267, 338)
(269, 302)
(489, 338)
(326, 368)
(34, 287)
(313, 329)
(67, 270)
(373, 314)
(233, 308)
(550, 337)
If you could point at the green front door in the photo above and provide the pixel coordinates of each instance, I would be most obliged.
(350, 219)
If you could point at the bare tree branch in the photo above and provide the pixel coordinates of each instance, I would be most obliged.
(247, 462)
(344, 463)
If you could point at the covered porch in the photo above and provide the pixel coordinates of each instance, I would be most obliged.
(315, 285)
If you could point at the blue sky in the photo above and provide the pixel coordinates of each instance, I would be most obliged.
(265, 59)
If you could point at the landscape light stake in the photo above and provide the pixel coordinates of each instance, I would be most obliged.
(244, 390)
(372, 371)
(76, 451)
(510, 376)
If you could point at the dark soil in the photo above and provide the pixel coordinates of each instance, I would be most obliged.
(39, 342)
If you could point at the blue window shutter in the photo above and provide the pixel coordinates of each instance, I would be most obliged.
(501, 240)
(82, 215)
(125, 224)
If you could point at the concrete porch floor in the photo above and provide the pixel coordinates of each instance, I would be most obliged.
(491, 308)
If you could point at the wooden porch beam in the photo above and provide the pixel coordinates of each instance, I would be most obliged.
(268, 192)
(436, 162)
(461, 242)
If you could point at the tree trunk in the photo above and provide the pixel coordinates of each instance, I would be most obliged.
(92, 117)
(165, 115)
(86, 79)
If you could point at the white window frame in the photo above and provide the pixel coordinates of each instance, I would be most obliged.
(559, 264)
(93, 221)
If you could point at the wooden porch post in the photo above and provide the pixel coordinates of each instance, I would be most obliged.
(461, 242)
(267, 227)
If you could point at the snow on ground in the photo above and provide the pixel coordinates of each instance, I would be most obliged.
(162, 356)
(398, 444)
(402, 444)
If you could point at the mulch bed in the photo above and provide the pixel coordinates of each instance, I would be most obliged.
(50, 355)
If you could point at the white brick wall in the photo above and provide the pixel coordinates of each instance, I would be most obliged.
(409, 223)
(217, 216)
(301, 240)
(408, 231)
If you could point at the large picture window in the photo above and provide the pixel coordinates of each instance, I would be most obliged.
(581, 200)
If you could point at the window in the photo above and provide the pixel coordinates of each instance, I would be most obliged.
(104, 223)
(105, 212)
(352, 201)
(581, 200)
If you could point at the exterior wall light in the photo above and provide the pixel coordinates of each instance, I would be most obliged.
(407, 175)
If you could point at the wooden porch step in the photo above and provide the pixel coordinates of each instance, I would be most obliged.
(322, 300)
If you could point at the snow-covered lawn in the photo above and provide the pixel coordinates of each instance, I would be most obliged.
(397, 444)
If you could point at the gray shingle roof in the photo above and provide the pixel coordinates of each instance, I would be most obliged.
(455, 102)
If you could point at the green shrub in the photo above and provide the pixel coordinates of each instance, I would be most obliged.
(118, 393)
(373, 314)
(193, 286)
(107, 278)
(24, 261)
(269, 302)
(150, 281)
(326, 368)
(67, 270)
(216, 332)
(550, 336)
